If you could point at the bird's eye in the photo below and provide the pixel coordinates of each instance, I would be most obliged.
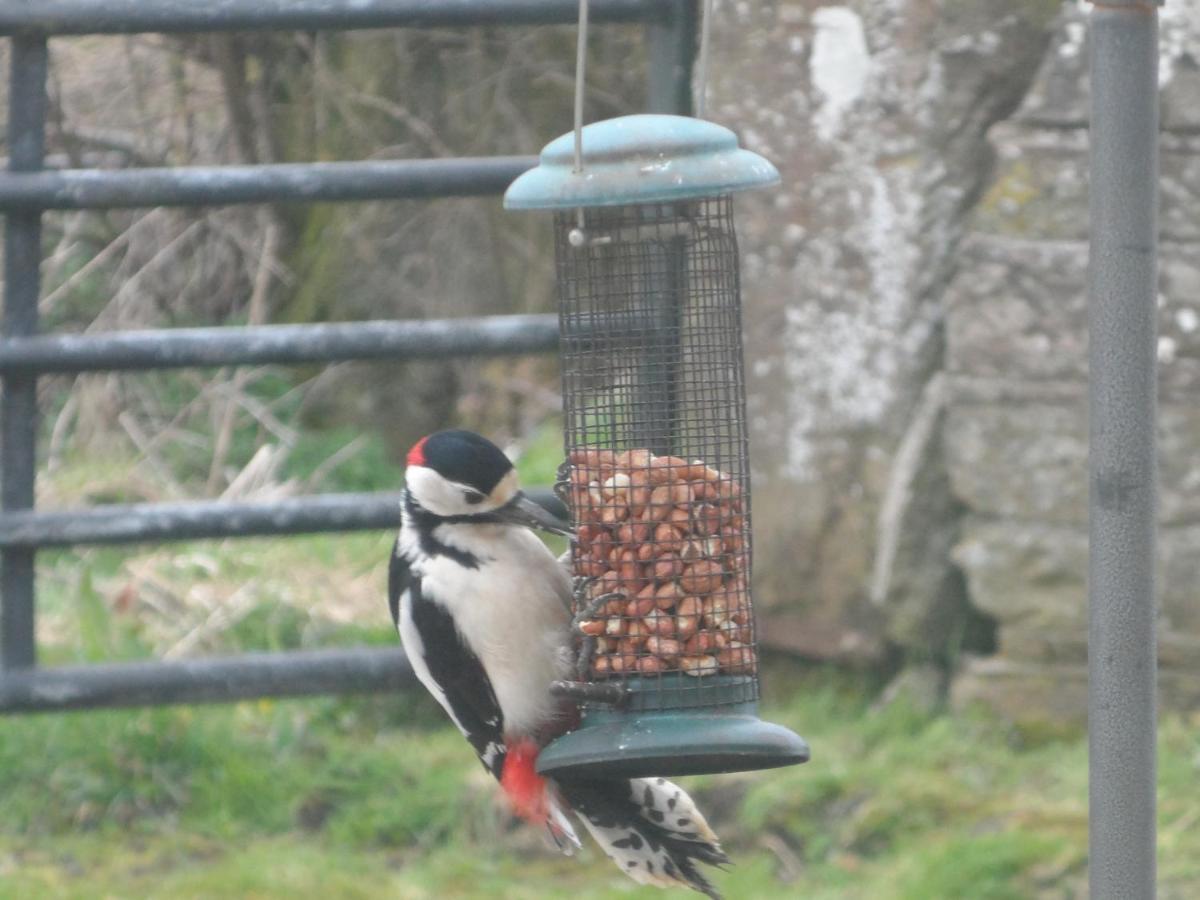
(473, 497)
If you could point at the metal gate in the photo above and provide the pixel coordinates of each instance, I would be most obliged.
(26, 189)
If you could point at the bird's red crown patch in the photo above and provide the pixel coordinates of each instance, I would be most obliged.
(416, 456)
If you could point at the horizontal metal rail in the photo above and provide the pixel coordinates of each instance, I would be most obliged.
(215, 680)
(282, 182)
(175, 16)
(280, 344)
(139, 522)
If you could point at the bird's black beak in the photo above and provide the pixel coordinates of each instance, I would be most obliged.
(523, 511)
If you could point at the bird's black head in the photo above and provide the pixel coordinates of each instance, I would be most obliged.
(470, 462)
(461, 476)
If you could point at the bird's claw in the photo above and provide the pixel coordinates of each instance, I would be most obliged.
(588, 609)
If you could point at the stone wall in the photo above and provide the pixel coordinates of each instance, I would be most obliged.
(916, 336)
(876, 113)
(1016, 355)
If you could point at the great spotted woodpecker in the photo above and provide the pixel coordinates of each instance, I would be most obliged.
(482, 607)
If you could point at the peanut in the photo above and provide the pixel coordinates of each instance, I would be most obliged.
(665, 648)
(590, 456)
(668, 537)
(659, 505)
(728, 489)
(703, 642)
(706, 519)
(660, 623)
(595, 495)
(687, 622)
(640, 605)
(735, 633)
(633, 534)
(633, 459)
(614, 607)
(698, 665)
(616, 487)
(702, 577)
(716, 610)
(666, 468)
(680, 518)
(585, 534)
(605, 584)
(589, 567)
(630, 574)
(668, 567)
(668, 595)
(737, 658)
(650, 665)
(615, 512)
(629, 646)
(681, 494)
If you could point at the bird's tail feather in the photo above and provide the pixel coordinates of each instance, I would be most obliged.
(650, 828)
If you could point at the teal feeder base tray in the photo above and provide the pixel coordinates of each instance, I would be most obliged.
(639, 742)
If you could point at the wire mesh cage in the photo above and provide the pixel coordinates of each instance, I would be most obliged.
(656, 446)
(656, 473)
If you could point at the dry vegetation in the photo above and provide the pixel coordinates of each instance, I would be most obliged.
(155, 101)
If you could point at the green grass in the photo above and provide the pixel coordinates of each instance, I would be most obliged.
(375, 797)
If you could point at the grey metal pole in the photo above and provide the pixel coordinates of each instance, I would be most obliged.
(670, 56)
(22, 281)
(1122, 655)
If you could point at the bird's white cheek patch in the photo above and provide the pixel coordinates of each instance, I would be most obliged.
(432, 491)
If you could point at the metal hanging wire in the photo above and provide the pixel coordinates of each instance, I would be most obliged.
(702, 67)
(580, 80)
(578, 235)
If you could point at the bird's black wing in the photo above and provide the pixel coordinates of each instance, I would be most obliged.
(447, 667)
(400, 576)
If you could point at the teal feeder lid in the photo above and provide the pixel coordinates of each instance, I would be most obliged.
(640, 159)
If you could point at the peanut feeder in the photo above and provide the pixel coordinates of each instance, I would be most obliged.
(656, 473)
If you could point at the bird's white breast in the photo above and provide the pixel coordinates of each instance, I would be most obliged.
(511, 611)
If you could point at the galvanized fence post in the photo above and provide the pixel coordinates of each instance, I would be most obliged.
(1122, 656)
(670, 54)
(18, 419)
